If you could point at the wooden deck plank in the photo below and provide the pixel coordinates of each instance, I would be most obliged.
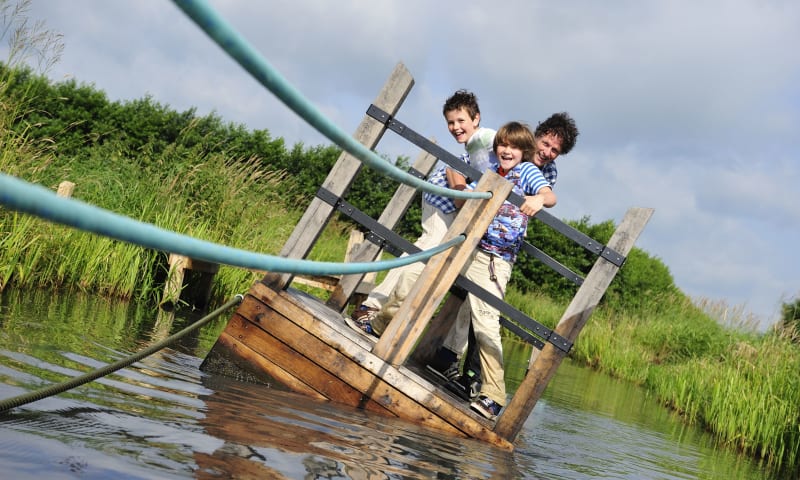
(333, 374)
(262, 365)
(295, 364)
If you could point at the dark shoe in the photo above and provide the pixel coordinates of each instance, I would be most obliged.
(448, 374)
(467, 387)
(486, 407)
(474, 385)
(362, 318)
(445, 364)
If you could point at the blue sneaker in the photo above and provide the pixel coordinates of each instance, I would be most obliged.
(486, 407)
(362, 317)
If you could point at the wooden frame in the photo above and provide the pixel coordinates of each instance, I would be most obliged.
(282, 335)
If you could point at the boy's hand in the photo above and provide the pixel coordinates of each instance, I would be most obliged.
(455, 180)
(544, 198)
(532, 205)
(459, 202)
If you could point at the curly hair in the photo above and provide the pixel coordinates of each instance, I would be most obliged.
(562, 126)
(462, 99)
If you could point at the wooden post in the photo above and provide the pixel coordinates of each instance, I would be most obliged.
(178, 265)
(368, 251)
(354, 243)
(580, 308)
(402, 333)
(65, 189)
(317, 215)
(174, 283)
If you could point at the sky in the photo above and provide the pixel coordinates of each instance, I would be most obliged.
(690, 107)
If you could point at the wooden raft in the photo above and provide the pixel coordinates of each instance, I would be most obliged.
(279, 334)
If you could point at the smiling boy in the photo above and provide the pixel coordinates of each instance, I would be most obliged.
(490, 266)
(463, 117)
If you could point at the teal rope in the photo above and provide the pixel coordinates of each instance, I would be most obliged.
(240, 50)
(30, 397)
(42, 202)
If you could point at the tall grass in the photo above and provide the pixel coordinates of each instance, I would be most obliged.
(740, 385)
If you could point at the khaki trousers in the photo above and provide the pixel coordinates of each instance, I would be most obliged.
(485, 322)
(388, 296)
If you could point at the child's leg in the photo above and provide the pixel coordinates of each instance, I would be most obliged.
(485, 320)
(434, 227)
(404, 285)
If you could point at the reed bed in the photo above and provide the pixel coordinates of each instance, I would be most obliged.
(740, 385)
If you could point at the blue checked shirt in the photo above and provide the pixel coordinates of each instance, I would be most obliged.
(439, 178)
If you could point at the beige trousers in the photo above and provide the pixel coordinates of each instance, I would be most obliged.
(485, 322)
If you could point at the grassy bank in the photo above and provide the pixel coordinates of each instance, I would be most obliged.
(740, 385)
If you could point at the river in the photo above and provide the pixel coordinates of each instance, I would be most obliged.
(164, 418)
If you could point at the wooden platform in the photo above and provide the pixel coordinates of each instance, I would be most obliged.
(294, 339)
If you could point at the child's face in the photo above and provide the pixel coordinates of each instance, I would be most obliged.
(548, 147)
(508, 156)
(460, 125)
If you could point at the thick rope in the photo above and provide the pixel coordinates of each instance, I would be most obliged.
(62, 387)
(42, 202)
(240, 50)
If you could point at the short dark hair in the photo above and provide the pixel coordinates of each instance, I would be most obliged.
(462, 99)
(562, 126)
(517, 135)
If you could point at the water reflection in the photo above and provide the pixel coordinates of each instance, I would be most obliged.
(163, 418)
(327, 439)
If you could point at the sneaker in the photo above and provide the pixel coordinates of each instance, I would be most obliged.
(362, 318)
(447, 374)
(474, 385)
(467, 387)
(444, 365)
(486, 407)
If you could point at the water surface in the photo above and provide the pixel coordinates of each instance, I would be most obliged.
(164, 418)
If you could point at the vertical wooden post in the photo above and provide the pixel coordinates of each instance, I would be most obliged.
(572, 322)
(402, 333)
(65, 189)
(354, 244)
(174, 283)
(317, 215)
(178, 265)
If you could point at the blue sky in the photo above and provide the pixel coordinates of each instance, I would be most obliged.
(689, 107)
